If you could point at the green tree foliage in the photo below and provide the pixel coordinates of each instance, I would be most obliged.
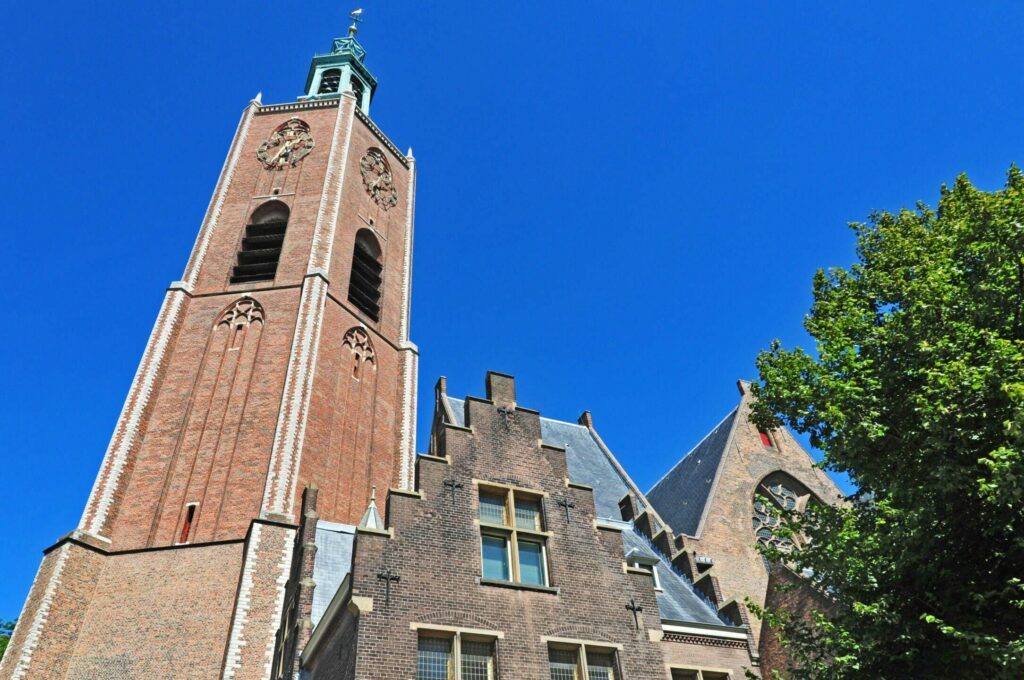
(917, 392)
(6, 628)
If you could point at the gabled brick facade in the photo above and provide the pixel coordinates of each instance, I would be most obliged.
(432, 543)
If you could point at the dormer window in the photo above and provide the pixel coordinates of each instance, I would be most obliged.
(648, 566)
(330, 81)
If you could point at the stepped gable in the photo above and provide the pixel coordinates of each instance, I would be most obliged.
(590, 465)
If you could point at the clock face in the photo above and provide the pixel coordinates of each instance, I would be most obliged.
(377, 179)
(289, 144)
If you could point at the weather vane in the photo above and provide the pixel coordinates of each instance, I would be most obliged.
(356, 20)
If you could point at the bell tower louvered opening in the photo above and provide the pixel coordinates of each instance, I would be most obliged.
(329, 81)
(262, 243)
(364, 284)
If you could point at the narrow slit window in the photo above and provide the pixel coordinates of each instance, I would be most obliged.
(186, 527)
(366, 278)
(261, 247)
(329, 81)
(766, 438)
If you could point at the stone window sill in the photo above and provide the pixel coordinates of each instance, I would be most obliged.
(518, 586)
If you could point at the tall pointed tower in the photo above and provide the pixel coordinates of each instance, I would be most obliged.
(280, 359)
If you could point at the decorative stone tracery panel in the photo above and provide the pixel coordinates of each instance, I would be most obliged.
(244, 312)
(359, 342)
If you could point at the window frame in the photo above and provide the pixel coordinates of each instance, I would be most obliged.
(699, 673)
(513, 534)
(457, 636)
(648, 567)
(580, 649)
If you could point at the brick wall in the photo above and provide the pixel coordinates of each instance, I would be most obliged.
(726, 533)
(789, 592)
(434, 547)
(54, 613)
(157, 614)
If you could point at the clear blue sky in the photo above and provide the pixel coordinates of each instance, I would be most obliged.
(620, 203)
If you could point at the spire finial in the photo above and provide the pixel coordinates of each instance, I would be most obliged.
(356, 20)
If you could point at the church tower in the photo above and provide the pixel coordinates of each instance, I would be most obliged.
(280, 359)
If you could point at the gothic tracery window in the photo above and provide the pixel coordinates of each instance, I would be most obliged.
(776, 492)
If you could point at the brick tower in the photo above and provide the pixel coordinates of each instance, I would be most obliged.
(280, 359)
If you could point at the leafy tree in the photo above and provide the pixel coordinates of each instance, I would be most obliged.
(6, 628)
(917, 392)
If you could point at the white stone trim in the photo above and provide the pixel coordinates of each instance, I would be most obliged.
(236, 641)
(213, 211)
(278, 497)
(320, 255)
(35, 627)
(410, 365)
(128, 424)
(403, 334)
(706, 630)
(284, 567)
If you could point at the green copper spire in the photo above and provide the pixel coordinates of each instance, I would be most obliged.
(342, 70)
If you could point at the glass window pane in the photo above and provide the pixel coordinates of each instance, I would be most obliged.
(492, 508)
(495, 551)
(563, 664)
(527, 513)
(477, 660)
(684, 675)
(708, 675)
(531, 563)
(433, 659)
(600, 666)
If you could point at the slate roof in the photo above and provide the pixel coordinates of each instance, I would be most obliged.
(680, 496)
(589, 464)
(331, 564)
(677, 601)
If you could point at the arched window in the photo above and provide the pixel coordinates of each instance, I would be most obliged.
(777, 491)
(329, 81)
(364, 284)
(357, 90)
(261, 245)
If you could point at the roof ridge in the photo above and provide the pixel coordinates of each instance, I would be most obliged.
(695, 447)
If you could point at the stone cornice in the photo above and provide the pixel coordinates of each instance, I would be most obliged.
(383, 138)
(299, 106)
